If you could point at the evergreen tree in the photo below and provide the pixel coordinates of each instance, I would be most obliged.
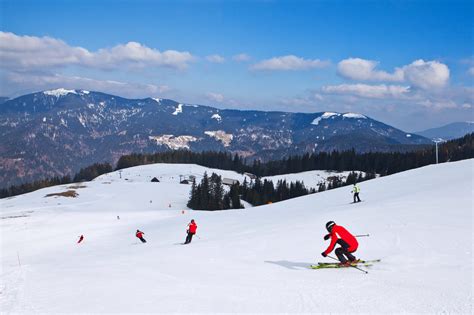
(216, 192)
(234, 196)
(321, 187)
(226, 202)
(205, 191)
(193, 202)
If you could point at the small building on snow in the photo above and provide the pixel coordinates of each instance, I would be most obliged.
(250, 175)
(230, 181)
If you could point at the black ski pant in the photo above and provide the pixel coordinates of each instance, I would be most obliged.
(343, 252)
(189, 238)
(142, 239)
(356, 195)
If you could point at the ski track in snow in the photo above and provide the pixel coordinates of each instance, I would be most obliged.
(253, 260)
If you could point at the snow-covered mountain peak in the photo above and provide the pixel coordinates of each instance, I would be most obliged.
(329, 115)
(326, 115)
(332, 115)
(63, 92)
(354, 115)
(60, 92)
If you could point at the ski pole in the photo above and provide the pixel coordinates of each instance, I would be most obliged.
(362, 235)
(364, 271)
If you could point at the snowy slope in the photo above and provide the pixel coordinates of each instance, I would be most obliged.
(251, 260)
(311, 179)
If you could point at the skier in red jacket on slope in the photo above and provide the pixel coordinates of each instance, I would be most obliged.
(192, 227)
(339, 235)
(139, 234)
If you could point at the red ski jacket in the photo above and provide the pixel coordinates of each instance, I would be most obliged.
(192, 227)
(139, 234)
(339, 232)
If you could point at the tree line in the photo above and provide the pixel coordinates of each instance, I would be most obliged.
(85, 174)
(373, 163)
(210, 194)
(382, 163)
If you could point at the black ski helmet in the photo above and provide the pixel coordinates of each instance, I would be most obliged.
(329, 225)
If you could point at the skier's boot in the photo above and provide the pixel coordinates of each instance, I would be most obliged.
(345, 264)
(355, 261)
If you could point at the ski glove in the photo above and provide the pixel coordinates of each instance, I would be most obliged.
(324, 254)
(327, 236)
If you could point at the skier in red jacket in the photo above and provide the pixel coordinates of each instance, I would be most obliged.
(80, 239)
(339, 235)
(139, 234)
(192, 227)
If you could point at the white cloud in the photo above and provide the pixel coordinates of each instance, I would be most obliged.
(361, 69)
(438, 104)
(471, 71)
(241, 57)
(215, 97)
(31, 52)
(215, 59)
(318, 97)
(367, 91)
(17, 52)
(136, 54)
(420, 73)
(289, 63)
(426, 74)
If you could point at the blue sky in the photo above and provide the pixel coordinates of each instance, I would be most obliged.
(407, 63)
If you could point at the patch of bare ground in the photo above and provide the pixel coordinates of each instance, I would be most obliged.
(69, 193)
(14, 216)
(77, 186)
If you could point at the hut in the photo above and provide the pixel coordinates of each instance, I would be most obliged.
(230, 181)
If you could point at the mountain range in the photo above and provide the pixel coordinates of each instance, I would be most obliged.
(450, 131)
(57, 132)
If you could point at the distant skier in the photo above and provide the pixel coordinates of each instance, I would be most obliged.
(356, 191)
(339, 235)
(139, 234)
(192, 227)
(81, 238)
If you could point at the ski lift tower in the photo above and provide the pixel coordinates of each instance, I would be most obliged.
(437, 140)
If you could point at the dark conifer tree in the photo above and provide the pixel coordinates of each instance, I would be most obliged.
(226, 202)
(204, 192)
(234, 196)
(193, 202)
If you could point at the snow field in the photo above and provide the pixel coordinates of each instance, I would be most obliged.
(253, 260)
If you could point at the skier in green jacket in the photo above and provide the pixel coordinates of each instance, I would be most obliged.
(356, 191)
